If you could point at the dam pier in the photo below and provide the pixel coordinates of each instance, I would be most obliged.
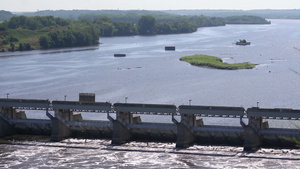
(123, 122)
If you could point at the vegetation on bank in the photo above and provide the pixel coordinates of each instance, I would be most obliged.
(27, 33)
(246, 19)
(264, 13)
(215, 62)
(151, 25)
(44, 32)
(134, 15)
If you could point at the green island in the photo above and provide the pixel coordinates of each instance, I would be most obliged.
(215, 62)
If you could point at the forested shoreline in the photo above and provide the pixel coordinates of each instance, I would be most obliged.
(44, 32)
(134, 15)
(28, 33)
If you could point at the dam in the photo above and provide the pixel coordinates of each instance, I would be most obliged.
(123, 123)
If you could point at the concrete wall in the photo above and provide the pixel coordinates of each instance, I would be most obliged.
(5, 128)
(60, 130)
(128, 127)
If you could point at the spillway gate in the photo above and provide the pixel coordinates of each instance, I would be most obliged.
(184, 125)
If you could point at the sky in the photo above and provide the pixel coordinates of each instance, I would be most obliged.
(35, 5)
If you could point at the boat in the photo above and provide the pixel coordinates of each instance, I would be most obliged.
(119, 55)
(169, 47)
(242, 42)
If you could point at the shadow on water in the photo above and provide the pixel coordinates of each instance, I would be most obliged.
(49, 51)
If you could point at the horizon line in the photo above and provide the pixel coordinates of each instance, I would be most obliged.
(149, 10)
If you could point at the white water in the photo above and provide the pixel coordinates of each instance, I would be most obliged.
(79, 153)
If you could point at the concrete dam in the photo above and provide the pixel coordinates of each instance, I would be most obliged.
(123, 122)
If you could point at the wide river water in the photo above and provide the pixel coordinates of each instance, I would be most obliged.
(149, 74)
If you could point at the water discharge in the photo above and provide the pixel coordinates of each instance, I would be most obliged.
(78, 153)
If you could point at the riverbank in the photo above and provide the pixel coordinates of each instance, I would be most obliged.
(22, 33)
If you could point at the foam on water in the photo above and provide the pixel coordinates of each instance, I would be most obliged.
(88, 153)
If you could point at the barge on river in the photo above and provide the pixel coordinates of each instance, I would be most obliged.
(243, 42)
(119, 55)
(170, 48)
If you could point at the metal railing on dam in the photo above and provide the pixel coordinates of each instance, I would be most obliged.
(185, 125)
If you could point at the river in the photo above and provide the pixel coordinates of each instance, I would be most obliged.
(149, 74)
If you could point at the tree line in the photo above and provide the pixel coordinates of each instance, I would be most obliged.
(134, 15)
(76, 34)
(151, 25)
(246, 19)
(27, 33)
(20, 31)
(34, 23)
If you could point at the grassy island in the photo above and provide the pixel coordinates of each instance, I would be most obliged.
(215, 62)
